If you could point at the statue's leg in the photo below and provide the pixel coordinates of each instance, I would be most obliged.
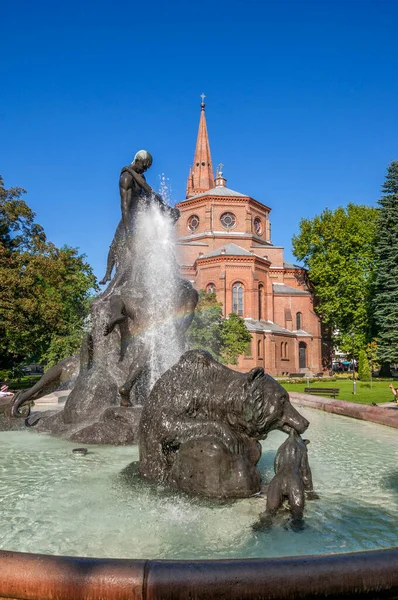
(110, 263)
(296, 497)
(118, 313)
(135, 373)
(274, 495)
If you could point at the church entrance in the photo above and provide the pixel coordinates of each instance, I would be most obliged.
(302, 355)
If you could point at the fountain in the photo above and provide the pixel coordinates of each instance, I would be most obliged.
(200, 427)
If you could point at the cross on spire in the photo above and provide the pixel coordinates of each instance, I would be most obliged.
(203, 100)
(220, 167)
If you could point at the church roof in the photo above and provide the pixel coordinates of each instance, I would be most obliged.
(219, 191)
(270, 326)
(288, 265)
(281, 288)
(201, 175)
(228, 250)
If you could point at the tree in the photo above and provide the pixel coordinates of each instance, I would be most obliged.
(205, 329)
(45, 290)
(363, 366)
(337, 248)
(385, 300)
(235, 339)
(225, 339)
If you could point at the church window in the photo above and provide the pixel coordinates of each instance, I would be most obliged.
(299, 320)
(260, 301)
(282, 349)
(258, 227)
(237, 298)
(259, 349)
(203, 164)
(228, 220)
(193, 223)
(286, 350)
(211, 288)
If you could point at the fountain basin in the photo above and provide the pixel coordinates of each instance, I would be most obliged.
(56, 503)
(360, 575)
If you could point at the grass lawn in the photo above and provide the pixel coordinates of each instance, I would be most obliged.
(380, 391)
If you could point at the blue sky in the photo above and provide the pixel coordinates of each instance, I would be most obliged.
(301, 104)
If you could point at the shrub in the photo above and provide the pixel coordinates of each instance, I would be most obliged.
(363, 367)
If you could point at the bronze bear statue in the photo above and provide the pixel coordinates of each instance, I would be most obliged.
(293, 477)
(201, 426)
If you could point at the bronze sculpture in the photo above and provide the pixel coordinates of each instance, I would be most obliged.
(201, 426)
(104, 405)
(133, 189)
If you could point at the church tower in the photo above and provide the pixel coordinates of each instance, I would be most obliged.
(224, 247)
(201, 177)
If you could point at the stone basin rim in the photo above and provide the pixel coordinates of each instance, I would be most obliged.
(365, 574)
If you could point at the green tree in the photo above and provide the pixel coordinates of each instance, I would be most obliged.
(337, 249)
(371, 353)
(45, 290)
(235, 339)
(385, 300)
(205, 329)
(363, 366)
(225, 339)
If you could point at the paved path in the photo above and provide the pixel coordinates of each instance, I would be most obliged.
(385, 413)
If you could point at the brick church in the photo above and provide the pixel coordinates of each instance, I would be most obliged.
(224, 242)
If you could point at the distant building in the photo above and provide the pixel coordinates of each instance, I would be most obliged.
(224, 240)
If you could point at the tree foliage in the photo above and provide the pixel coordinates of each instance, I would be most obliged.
(385, 301)
(337, 248)
(205, 329)
(363, 366)
(235, 339)
(45, 290)
(225, 339)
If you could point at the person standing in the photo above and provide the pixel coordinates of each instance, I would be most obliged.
(394, 391)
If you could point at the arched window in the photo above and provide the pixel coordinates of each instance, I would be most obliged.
(286, 350)
(260, 301)
(282, 350)
(299, 320)
(259, 349)
(237, 298)
(258, 226)
(211, 288)
(302, 355)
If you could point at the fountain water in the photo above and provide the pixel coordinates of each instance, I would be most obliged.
(155, 253)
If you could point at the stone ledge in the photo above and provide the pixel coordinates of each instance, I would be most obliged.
(383, 415)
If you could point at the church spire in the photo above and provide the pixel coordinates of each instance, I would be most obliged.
(201, 177)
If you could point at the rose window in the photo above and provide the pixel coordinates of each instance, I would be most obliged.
(193, 223)
(228, 220)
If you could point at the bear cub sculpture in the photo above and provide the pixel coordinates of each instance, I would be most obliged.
(201, 426)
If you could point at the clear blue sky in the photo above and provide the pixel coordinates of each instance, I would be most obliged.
(302, 104)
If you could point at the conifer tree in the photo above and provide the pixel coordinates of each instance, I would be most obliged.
(386, 282)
